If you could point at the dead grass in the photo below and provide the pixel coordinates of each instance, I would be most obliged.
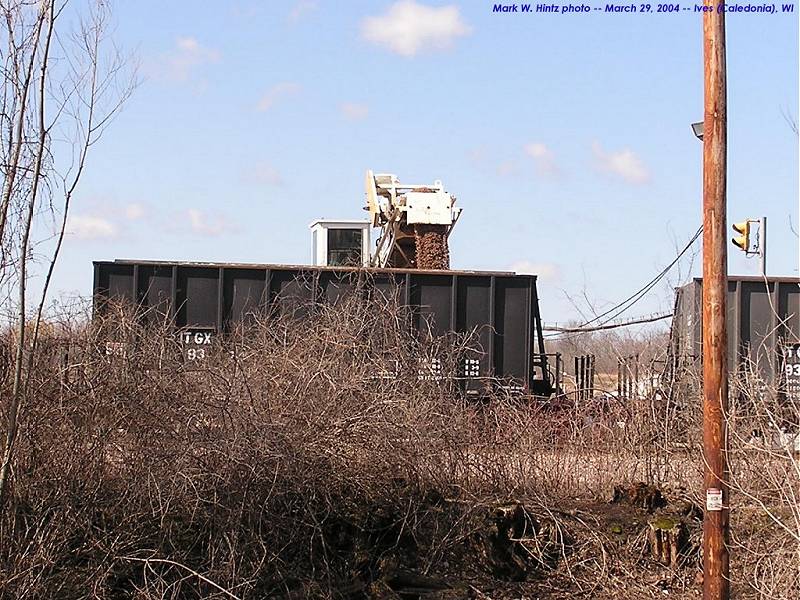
(319, 457)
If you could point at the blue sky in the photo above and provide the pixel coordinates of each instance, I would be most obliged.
(565, 137)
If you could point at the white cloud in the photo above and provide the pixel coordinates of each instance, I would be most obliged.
(205, 225)
(409, 27)
(302, 8)
(263, 173)
(624, 164)
(353, 111)
(134, 211)
(506, 169)
(187, 59)
(543, 159)
(276, 93)
(545, 271)
(88, 227)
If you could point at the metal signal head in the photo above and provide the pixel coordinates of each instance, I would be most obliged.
(742, 241)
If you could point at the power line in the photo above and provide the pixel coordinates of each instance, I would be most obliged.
(630, 301)
(639, 294)
(636, 321)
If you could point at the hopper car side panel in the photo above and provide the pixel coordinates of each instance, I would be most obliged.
(763, 320)
(502, 308)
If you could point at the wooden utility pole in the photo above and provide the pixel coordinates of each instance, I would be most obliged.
(715, 284)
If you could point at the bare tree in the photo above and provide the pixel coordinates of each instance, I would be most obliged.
(63, 83)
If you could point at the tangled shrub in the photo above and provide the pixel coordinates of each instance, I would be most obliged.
(258, 468)
(310, 453)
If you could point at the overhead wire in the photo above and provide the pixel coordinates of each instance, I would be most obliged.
(631, 300)
(636, 321)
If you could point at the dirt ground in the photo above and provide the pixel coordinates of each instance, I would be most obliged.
(584, 549)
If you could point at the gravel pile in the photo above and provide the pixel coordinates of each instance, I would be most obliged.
(432, 250)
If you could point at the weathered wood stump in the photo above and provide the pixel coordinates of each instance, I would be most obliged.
(667, 538)
(640, 495)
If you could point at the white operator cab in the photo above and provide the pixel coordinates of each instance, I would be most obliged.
(340, 243)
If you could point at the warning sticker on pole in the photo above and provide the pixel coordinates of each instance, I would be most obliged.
(713, 499)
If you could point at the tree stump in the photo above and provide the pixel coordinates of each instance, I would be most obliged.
(667, 538)
(640, 495)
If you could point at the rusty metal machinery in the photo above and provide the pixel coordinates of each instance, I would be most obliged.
(415, 222)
